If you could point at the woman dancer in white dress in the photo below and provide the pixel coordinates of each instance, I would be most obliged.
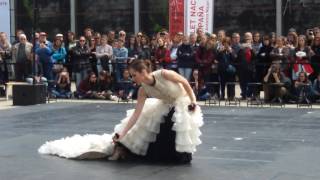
(164, 126)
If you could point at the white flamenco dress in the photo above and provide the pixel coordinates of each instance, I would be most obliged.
(168, 107)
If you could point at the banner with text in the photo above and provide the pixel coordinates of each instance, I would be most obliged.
(176, 16)
(5, 17)
(198, 14)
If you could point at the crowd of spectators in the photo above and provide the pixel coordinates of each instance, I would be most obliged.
(285, 68)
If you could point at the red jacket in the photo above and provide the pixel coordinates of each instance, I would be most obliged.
(205, 58)
(162, 55)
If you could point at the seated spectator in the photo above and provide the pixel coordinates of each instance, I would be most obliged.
(126, 88)
(199, 87)
(88, 88)
(63, 85)
(316, 88)
(302, 89)
(106, 86)
(276, 84)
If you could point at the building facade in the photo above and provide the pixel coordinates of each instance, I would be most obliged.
(56, 16)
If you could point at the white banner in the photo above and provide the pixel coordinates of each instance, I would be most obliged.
(198, 14)
(5, 17)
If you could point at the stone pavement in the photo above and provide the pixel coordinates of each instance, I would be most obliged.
(238, 143)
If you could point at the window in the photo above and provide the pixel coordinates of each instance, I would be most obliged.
(154, 15)
(53, 16)
(300, 14)
(245, 15)
(103, 16)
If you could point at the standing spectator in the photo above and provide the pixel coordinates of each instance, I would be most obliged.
(131, 46)
(111, 37)
(60, 37)
(88, 34)
(103, 53)
(5, 54)
(235, 44)
(17, 37)
(193, 41)
(221, 35)
(199, 34)
(185, 58)
(316, 88)
(281, 53)
(145, 49)
(263, 58)
(315, 59)
(226, 69)
(81, 63)
(122, 35)
(69, 45)
(22, 58)
(162, 54)
(246, 67)
(273, 39)
(121, 56)
(292, 38)
(302, 55)
(97, 38)
(44, 53)
(206, 60)
(138, 46)
(58, 56)
(92, 57)
(43, 39)
(153, 49)
(173, 53)
(256, 44)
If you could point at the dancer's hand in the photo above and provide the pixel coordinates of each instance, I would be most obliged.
(192, 107)
(116, 137)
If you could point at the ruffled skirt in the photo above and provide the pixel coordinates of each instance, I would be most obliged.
(182, 123)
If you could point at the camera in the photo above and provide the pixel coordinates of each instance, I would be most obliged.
(310, 32)
(273, 69)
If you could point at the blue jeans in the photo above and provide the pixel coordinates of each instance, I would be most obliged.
(80, 76)
(185, 72)
(119, 71)
(61, 94)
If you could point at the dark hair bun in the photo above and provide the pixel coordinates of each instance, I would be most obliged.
(139, 65)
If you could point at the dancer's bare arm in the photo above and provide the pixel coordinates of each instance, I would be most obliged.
(133, 119)
(177, 78)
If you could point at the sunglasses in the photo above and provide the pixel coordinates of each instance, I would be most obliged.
(81, 40)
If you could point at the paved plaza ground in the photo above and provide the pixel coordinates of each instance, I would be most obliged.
(238, 144)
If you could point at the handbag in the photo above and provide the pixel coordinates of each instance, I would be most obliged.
(57, 68)
(231, 69)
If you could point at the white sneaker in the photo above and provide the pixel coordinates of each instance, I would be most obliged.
(114, 98)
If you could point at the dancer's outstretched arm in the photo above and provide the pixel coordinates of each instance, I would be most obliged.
(134, 117)
(177, 78)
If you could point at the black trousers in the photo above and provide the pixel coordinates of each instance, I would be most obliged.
(163, 150)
